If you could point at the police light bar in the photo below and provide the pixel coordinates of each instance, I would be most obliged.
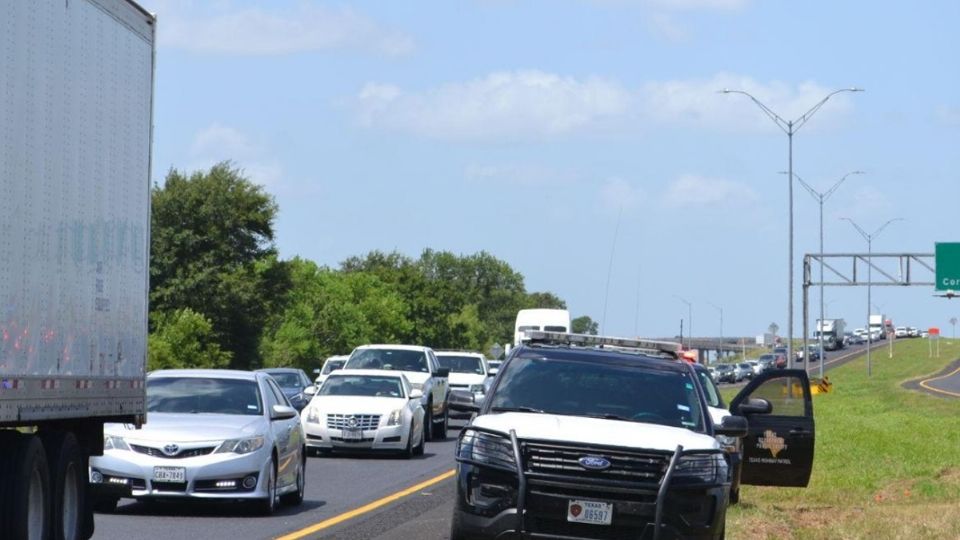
(585, 340)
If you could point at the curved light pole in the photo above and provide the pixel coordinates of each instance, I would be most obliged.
(790, 127)
(869, 238)
(689, 319)
(820, 198)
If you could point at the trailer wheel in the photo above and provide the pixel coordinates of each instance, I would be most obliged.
(67, 472)
(24, 489)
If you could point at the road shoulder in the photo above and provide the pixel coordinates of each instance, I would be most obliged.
(933, 384)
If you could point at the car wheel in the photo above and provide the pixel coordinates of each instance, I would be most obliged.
(440, 429)
(456, 528)
(268, 505)
(408, 451)
(428, 423)
(295, 498)
(418, 449)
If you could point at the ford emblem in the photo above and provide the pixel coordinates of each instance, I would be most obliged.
(594, 463)
(171, 449)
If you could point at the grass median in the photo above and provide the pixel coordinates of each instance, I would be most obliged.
(887, 461)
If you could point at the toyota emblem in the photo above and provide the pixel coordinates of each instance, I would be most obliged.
(171, 449)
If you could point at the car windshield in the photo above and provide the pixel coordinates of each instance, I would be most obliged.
(388, 359)
(724, 367)
(569, 384)
(203, 395)
(287, 379)
(362, 385)
(332, 365)
(461, 364)
(710, 389)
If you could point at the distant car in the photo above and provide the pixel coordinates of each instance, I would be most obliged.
(365, 410)
(294, 383)
(726, 373)
(744, 371)
(913, 332)
(468, 371)
(856, 339)
(767, 361)
(901, 332)
(330, 365)
(213, 435)
(754, 366)
(493, 366)
(712, 371)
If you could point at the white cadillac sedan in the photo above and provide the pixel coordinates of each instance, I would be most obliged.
(210, 434)
(362, 409)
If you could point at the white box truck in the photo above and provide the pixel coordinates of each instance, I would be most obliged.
(832, 330)
(76, 92)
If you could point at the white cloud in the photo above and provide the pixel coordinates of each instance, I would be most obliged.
(698, 103)
(503, 104)
(695, 191)
(224, 27)
(217, 143)
(618, 193)
(531, 104)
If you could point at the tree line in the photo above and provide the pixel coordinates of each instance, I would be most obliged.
(221, 297)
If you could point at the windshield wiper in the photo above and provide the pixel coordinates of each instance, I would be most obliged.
(610, 416)
(517, 409)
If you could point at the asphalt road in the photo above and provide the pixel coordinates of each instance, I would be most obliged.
(334, 485)
(944, 384)
(337, 486)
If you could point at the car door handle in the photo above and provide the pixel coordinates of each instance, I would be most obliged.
(799, 431)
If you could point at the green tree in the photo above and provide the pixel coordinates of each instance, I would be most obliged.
(212, 251)
(584, 325)
(184, 339)
(328, 312)
(543, 300)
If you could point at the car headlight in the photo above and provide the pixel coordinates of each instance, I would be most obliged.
(241, 446)
(395, 418)
(476, 389)
(486, 448)
(111, 442)
(313, 416)
(706, 468)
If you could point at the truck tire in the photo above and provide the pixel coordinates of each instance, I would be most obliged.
(68, 473)
(24, 488)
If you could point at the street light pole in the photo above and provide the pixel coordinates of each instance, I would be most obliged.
(689, 319)
(790, 127)
(720, 309)
(820, 198)
(869, 238)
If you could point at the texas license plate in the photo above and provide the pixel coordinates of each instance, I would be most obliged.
(169, 474)
(592, 512)
(352, 434)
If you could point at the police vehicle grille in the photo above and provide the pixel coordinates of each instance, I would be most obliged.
(156, 452)
(564, 461)
(363, 421)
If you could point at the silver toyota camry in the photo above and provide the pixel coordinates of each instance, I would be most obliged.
(210, 434)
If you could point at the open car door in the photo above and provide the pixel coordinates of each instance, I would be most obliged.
(778, 449)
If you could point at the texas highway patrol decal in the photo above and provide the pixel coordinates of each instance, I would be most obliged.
(771, 442)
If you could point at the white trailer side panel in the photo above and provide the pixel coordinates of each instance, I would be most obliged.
(76, 86)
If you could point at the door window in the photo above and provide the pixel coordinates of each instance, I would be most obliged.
(785, 394)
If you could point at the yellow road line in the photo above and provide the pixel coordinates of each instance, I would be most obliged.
(924, 382)
(336, 520)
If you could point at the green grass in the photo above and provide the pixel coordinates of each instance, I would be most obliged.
(887, 461)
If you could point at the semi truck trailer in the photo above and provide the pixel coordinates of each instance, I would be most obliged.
(833, 330)
(76, 93)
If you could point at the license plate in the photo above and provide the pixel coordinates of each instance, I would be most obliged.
(352, 434)
(592, 512)
(169, 474)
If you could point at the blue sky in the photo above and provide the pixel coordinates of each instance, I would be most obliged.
(524, 128)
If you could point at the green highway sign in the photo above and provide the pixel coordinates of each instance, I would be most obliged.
(948, 266)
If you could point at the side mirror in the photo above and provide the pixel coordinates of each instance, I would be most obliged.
(416, 394)
(311, 390)
(755, 406)
(282, 412)
(732, 426)
(316, 371)
(443, 373)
